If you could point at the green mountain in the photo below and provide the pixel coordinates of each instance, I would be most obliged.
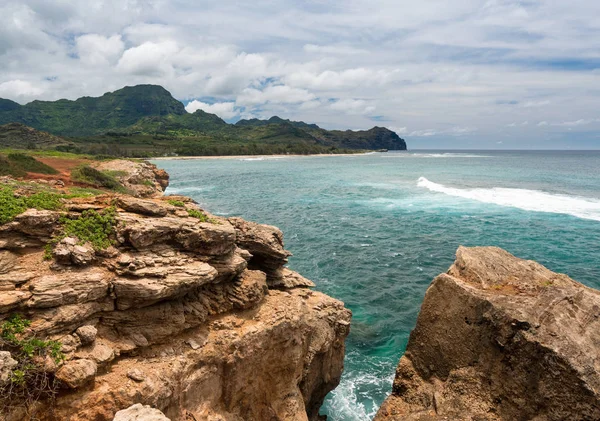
(19, 136)
(146, 119)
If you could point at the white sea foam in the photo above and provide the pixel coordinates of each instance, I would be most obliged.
(264, 158)
(530, 200)
(434, 155)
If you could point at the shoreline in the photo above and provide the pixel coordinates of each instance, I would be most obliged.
(164, 158)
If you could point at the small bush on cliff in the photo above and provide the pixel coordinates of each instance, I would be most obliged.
(31, 379)
(89, 175)
(195, 213)
(12, 205)
(94, 227)
(177, 203)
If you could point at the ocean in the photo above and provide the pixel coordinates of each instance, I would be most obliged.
(373, 231)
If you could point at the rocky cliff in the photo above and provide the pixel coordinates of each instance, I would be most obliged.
(500, 338)
(155, 301)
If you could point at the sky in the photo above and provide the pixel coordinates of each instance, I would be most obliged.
(497, 74)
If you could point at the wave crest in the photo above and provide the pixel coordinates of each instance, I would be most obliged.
(529, 200)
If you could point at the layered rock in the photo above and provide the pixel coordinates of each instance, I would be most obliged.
(141, 179)
(200, 320)
(499, 338)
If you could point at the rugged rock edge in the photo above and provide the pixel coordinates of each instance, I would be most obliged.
(198, 318)
(500, 338)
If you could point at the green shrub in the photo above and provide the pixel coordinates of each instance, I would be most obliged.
(177, 203)
(29, 380)
(91, 226)
(89, 175)
(11, 205)
(195, 213)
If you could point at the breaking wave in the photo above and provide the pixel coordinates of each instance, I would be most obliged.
(529, 200)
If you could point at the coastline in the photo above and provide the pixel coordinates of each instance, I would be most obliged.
(169, 158)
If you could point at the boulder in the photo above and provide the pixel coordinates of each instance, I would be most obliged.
(139, 412)
(76, 373)
(87, 334)
(143, 207)
(499, 338)
(68, 251)
(7, 364)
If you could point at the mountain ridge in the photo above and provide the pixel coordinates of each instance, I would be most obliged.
(149, 113)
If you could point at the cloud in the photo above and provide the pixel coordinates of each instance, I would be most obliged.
(149, 59)
(530, 104)
(453, 131)
(98, 50)
(225, 110)
(332, 80)
(399, 130)
(580, 122)
(279, 94)
(333, 49)
(19, 89)
(352, 106)
(436, 64)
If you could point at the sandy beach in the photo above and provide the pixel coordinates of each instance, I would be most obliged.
(161, 158)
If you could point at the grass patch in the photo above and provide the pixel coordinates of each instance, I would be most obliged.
(29, 381)
(115, 173)
(83, 192)
(89, 175)
(177, 203)
(19, 164)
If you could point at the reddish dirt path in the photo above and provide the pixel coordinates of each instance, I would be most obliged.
(63, 165)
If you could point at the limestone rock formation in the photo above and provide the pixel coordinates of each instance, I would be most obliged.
(178, 314)
(497, 339)
(142, 179)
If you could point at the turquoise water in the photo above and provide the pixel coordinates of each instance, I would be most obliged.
(373, 231)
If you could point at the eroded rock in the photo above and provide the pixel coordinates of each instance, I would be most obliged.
(76, 373)
(500, 338)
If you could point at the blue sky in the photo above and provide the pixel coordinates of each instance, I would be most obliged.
(442, 74)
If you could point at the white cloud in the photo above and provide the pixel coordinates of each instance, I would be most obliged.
(429, 64)
(530, 104)
(333, 49)
(352, 106)
(19, 89)
(149, 59)
(332, 80)
(98, 50)
(225, 110)
(279, 94)
(453, 131)
(580, 122)
(542, 123)
(399, 130)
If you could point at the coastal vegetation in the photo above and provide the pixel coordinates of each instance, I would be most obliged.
(94, 177)
(19, 164)
(29, 380)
